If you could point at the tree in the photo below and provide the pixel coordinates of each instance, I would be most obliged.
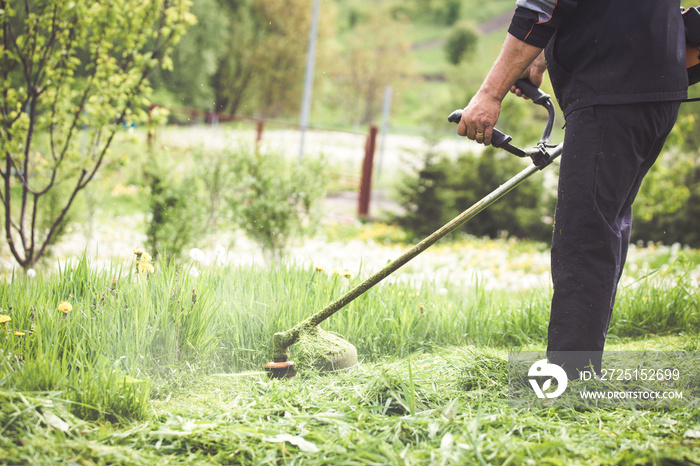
(262, 67)
(376, 54)
(71, 73)
(234, 73)
(195, 59)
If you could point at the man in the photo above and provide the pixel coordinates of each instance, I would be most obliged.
(617, 68)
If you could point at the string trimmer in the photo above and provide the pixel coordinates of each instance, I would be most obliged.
(328, 351)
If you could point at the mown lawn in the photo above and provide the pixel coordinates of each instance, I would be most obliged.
(449, 406)
(166, 367)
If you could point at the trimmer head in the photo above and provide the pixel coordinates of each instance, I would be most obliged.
(279, 370)
(317, 349)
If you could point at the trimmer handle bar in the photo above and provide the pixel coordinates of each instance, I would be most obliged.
(502, 141)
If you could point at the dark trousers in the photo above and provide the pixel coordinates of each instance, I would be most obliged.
(608, 150)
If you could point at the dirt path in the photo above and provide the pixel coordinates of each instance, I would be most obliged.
(496, 23)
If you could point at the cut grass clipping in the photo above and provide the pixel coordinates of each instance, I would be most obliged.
(324, 351)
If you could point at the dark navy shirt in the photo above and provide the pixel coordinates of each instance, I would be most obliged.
(607, 51)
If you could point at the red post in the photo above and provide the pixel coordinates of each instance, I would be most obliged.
(366, 180)
(150, 134)
(259, 131)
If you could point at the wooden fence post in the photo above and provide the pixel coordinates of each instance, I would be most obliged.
(150, 132)
(259, 126)
(366, 180)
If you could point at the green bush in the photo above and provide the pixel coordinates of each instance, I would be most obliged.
(668, 205)
(177, 210)
(274, 200)
(443, 188)
(421, 196)
(461, 42)
(666, 208)
(216, 171)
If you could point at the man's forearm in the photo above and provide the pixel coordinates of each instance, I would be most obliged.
(480, 116)
(515, 58)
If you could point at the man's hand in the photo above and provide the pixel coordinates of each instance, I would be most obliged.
(516, 59)
(534, 73)
(479, 118)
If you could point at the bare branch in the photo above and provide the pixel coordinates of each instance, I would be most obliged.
(9, 224)
(61, 216)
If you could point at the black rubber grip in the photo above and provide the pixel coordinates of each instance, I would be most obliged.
(497, 138)
(531, 91)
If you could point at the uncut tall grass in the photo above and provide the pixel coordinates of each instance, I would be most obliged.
(127, 330)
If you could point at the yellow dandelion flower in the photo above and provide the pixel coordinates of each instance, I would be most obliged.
(138, 251)
(145, 267)
(18, 333)
(318, 268)
(347, 274)
(65, 307)
(4, 318)
(146, 257)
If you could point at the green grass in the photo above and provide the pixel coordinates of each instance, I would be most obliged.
(167, 367)
(446, 407)
(226, 316)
